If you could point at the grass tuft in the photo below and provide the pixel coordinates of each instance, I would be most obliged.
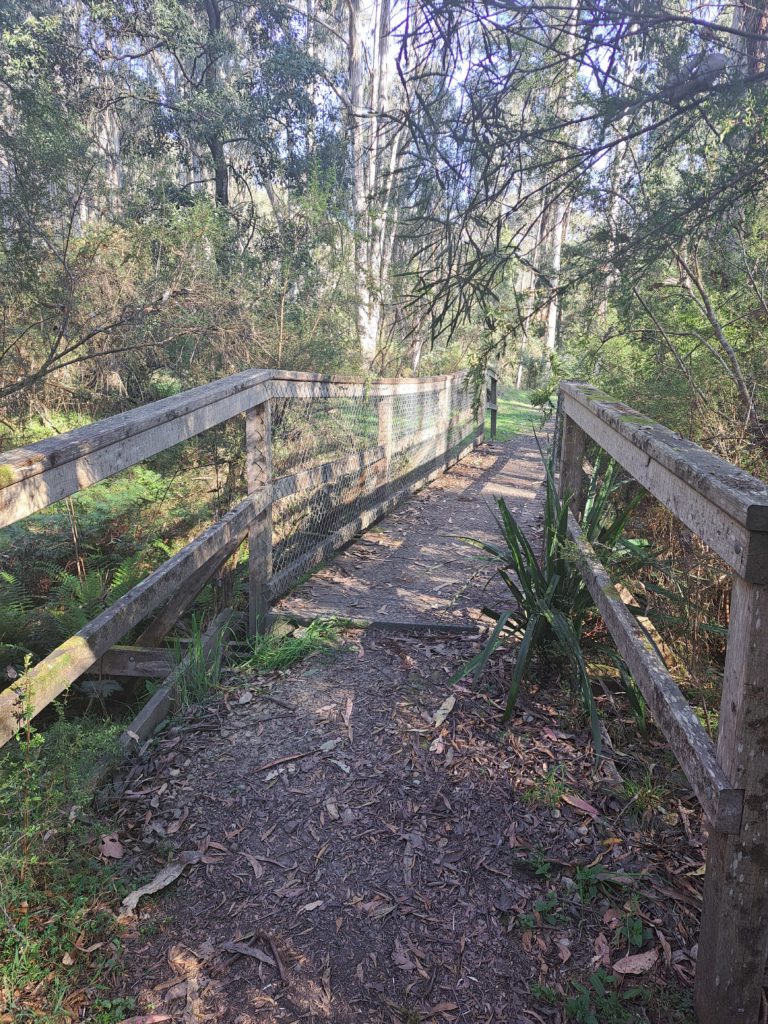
(276, 651)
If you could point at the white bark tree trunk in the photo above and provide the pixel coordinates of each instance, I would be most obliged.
(559, 230)
(559, 233)
(376, 151)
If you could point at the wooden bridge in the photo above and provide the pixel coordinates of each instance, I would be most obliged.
(328, 457)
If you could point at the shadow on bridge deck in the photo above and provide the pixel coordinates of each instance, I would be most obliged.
(412, 567)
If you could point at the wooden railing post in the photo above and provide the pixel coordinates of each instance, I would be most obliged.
(479, 437)
(492, 405)
(445, 396)
(385, 434)
(573, 479)
(733, 944)
(258, 475)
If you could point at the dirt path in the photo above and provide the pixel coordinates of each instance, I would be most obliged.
(412, 567)
(351, 860)
(359, 840)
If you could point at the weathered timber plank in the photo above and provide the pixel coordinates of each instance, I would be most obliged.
(741, 496)
(378, 387)
(434, 434)
(36, 476)
(307, 617)
(182, 601)
(141, 662)
(307, 389)
(325, 473)
(722, 801)
(733, 942)
(54, 673)
(573, 480)
(164, 702)
(745, 550)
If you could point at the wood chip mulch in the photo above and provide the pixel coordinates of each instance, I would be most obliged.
(359, 840)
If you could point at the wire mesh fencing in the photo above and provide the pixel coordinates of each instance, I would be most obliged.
(343, 454)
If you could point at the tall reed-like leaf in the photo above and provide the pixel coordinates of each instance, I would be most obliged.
(550, 600)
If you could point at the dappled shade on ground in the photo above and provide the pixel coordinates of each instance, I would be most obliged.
(415, 566)
(357, 861)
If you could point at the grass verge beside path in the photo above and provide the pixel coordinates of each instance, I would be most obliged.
(515, 414)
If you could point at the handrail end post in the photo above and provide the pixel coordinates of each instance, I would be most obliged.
(733, 943)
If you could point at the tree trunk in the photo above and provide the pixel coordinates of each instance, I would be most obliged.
(213, 139)
(375, 161)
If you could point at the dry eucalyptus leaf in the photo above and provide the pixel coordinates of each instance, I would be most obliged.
(111, 847)
(147, 1018)
(258, 867)
(581, 805)
(444, 710)
(162, 879)
(637, 963)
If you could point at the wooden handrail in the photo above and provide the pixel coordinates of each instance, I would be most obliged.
(37, 475)
(728, 509)
(722, 504)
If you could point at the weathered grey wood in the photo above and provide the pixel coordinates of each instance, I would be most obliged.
(136, 661)
(573, 479)
(492, 402)
(325, 473)
(287, 384)
(722, 801)
(386, 625)
(164, 702)
(374, 382)
(33, 477)
(434, 435)
(733, 943)
(182, 601)
(734, 492)
(258, 475)
(686, 496)
(307, 390)
(384, 412)
(444, 408)
(67, 662)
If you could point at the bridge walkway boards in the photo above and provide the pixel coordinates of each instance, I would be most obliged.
(413, 567)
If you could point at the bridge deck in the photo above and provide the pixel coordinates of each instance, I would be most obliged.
(413, 567)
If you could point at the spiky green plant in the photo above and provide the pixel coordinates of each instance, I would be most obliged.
(552, 603)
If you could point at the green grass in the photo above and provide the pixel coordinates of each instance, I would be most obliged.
(515, 414)
(278, 650)
(547, 791)
(58, 939)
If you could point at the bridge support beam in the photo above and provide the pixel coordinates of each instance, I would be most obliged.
(733, 945)
(258, 475)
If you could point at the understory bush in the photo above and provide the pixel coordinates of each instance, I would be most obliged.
(551, 604)
(58, 941)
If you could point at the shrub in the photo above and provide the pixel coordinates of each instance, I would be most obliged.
(552, 603)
